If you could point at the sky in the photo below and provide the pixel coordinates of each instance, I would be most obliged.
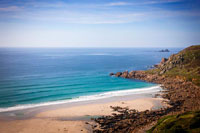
(99, 23)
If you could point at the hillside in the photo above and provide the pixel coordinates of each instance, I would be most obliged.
(184, 65)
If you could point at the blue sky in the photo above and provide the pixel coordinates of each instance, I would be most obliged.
(99, 23)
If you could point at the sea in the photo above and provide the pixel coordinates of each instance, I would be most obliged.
(34, 77)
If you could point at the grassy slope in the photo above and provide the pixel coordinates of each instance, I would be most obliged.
(187, 122)
(189, 69)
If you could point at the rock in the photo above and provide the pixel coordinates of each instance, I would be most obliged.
(131, 74)
(170, 67)
(163, 60)
(126, 120)
(111, 74)
(163, 71)
(155, 66)
(125, 74)
(164, 50)
(118, 74)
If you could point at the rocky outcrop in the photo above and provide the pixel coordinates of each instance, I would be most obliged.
(125, 74)
(131, 74)
(163, 60)
(167, 64)
(164, 50)
(128, 120)
(118, 74)
(111, 74)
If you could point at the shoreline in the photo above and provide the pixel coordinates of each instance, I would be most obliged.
(130, 94)
(95, 110)
(76, 118)
(84, 98)
(31, 112)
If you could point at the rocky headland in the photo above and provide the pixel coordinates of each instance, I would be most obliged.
(179, 76)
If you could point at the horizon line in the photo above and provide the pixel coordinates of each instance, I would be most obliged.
(96, 47)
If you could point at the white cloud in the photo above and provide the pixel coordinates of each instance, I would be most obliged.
(118, 4)
(148, 2)
(64, 13)
(10, 8)
(66, 16)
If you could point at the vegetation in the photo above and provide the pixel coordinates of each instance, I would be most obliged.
(190, 69)
(184, 65)
(187, 122)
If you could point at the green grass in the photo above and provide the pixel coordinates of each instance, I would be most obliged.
(190, 69)
(188, 122)
(185, 74)
(152, 71)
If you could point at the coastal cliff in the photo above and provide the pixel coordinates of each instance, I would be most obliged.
(179, 76)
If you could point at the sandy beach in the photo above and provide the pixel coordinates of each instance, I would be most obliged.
(73, 119)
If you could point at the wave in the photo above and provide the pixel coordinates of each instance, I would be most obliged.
(86, 98)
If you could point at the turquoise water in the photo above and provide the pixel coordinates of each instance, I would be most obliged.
(33, 76)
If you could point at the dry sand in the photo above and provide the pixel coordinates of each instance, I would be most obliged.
(71, 119)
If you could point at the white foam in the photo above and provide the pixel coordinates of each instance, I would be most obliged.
(86, 98)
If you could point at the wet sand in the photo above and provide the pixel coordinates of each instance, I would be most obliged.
(73, 119)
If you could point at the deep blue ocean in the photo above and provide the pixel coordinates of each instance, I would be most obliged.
(41, 76)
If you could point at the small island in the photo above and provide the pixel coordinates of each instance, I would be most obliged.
(164, 50)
